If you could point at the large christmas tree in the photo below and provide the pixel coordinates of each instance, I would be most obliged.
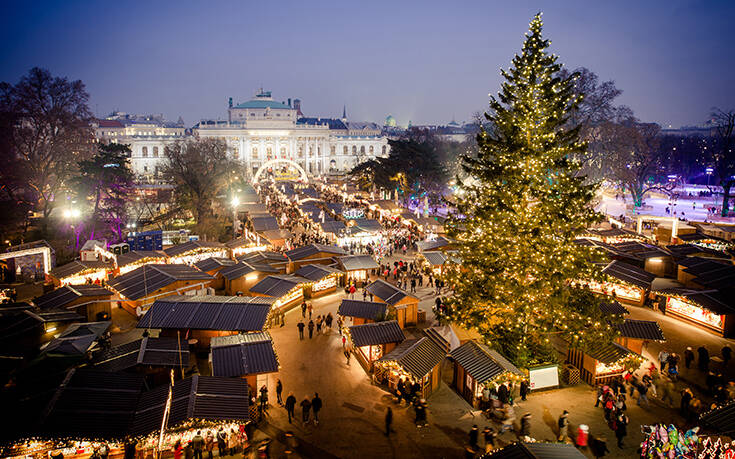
(521, 209)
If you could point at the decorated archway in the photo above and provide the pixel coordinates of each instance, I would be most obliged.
(273, 162)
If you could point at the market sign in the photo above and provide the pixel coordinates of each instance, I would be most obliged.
(543, 376)
(352, 214)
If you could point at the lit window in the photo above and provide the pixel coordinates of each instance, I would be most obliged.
(345, 150)
(354, 149)
(155, 152)
(145, 152)
(332, 150)
(383, 149)
(371, 149)
(255, 152)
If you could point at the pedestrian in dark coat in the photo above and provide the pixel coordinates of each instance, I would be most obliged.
(598, 446)
(301, 326)
(290, 407)
(305, 408)
(526, 425)
(316, 405)
(303, 309)
(703, 358)
(489, 435)
(726, 355)
(311, 328)
(222, 442)
(563, 423)
(525, 389)
(474, 435)
(279, 391)
(503, 394)
(688, 357)
(621, 428)
(388, 421)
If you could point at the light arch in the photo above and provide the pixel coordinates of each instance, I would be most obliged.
(272, 162)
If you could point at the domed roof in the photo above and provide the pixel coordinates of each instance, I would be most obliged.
(390, 121)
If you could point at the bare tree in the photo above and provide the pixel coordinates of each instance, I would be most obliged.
(722, 155)
(46, 131)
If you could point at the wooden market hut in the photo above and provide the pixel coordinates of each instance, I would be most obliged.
(312, 254)
(247, 243)
(275, 259)
(239, 277)
(250, 356)
(134, 259)
(362, 312)
(207, 316)
(439, 243)
(357, 268)
(141, 287)
(153, 357)
(80, 272)
(276, 238)
(213, 266)
(538, 450)
(403, 303)
(322, 279)
(710, 310)
(416, 360)
(24, 330)
(603, 363)
(435, 261)
(475, 365)
(627, 283)
(372, 341)
(332, 228)
(195, 251)
(287, 290)
(77, 339)
(635, 334)
(91, 301)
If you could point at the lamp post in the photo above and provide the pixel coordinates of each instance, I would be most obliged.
(235, 203)
(72, 214)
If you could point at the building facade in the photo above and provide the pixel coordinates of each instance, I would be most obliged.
(256, 131)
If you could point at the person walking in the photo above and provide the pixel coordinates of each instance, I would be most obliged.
(318, 324)
(329, 320)
(222, 442)
(663, 357)
(703, 361)
(290, 406)
(726, 355)
(303, 309)
(311, 328)
(316, 405)
(305, 408)
(525, 425)
(489, 436)
(209, 443)
(688, 357)
(643, 394)
(598, 446)
(197, 443)
(525, 390)
(310, 308)
(563, 423)
(347, 355)
(279, 391)
(283, 318)
(388, 421)
(301, 326)
(621, 429)
(474, 434)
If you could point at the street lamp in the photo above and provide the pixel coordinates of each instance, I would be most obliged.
(709, 172)
(72, 214)
(235, 203)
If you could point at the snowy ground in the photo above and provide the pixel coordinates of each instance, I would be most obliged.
(690, 208)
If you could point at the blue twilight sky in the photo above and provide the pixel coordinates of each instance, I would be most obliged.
(422, 61)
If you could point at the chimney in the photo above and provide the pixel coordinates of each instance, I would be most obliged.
(297, 106)
(289, 101)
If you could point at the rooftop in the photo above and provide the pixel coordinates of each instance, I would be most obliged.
(222, 313)
(145, 280)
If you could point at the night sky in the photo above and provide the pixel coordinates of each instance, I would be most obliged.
(421, 61)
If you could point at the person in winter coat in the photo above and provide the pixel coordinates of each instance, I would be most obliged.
(222, 442)
(316, 405)
(598, 446)
(489, 435)
(526, 425)
(279, 392)
(621, 428)
(688, 357)
(290, 406)
(388, 421)
(305, 409)
(474, 434)
(582, 436)
(563, 423)
(525, 390)
(311, 328)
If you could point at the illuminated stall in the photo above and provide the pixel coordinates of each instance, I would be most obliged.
(91, 301)
(362, 232)
(287, 289)
(362, 312)
(626, 283)
(707, 310)
(320, 254)
(322, 279)
(195, 251)
(246, 244)
(357, 268)
(134, 259)
(636, 334)
(239, 277)
(80, 272)
(213, 266)
(249, 356)
(414, 360)
(476, 366)
(602, 364)
(400, 301)
(435, 261)
(372, 341)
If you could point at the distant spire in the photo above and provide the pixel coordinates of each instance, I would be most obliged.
(344, 112)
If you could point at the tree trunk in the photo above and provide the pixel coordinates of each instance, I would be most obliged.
(636, 194)
(726, 197)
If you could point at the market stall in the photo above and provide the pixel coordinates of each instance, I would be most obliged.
(287, 290)
(91, 301)
(708, 310)
(372, 341)
(194, 251)
(322, 279)
(213, 266)
(357, 268)
(362, 312)
(134, 259)
(476, 366)
(80, 272)
(248, 356)
(414, 360)
(604, 363)
(403, 303)
(239, 277)
(635, 334)
(625, 283)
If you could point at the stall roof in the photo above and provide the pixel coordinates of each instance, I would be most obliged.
(276, 234)
(425, 246)
(687, 250)
(277, 285)
(608, 353)
(613, 307)
(629, 273)
(316, 272)
(332, 226)
(301, 253)
(709, 272)
(239, 242)
(416, 356)
(208, 264)
(376, 333)
(77, 338)
(268, 223)
(238, 355)
(641, 329)
(714, 301)
(435, 258)
(481, 362)
(78, 266)
(267, 257)
(362, 309)
(68, 293)
(388, 292)
(721, 419)
(135, 256)
(148, 351)
(181, 249)
(368, 225)
(208, 312)
(537, 451)
(253, 207)
(639, 250)
(145, 280)
(240, 269)
(199, 397)
(357, 262)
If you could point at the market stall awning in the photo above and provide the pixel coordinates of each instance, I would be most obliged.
(357, 262)
(62, 296)
(538, 451)
(239, 242)
(388, 292)
(268, 223)
(78, 266)
(240, 269)
(613, 307)
(425, 246)
(77, 338)
(641, 329)
(721, 420)
(376, 333)
(275, 259)
(156, 352)
(303, 252)
(481, 362)
(209, 264)
(368, 225)
(208, 312)
(145, 280)
(435, 258)
(608, 353)
(191, 246)
(246, 354)
(136, 256)
(416, 357)
(630, 274)
(277, 285)
(316, 272)
(275, 235)
(332, 226)
(362, 309)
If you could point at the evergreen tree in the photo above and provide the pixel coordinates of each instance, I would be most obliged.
(522, 208)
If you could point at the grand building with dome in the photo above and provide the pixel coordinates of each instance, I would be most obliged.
(256, 131)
